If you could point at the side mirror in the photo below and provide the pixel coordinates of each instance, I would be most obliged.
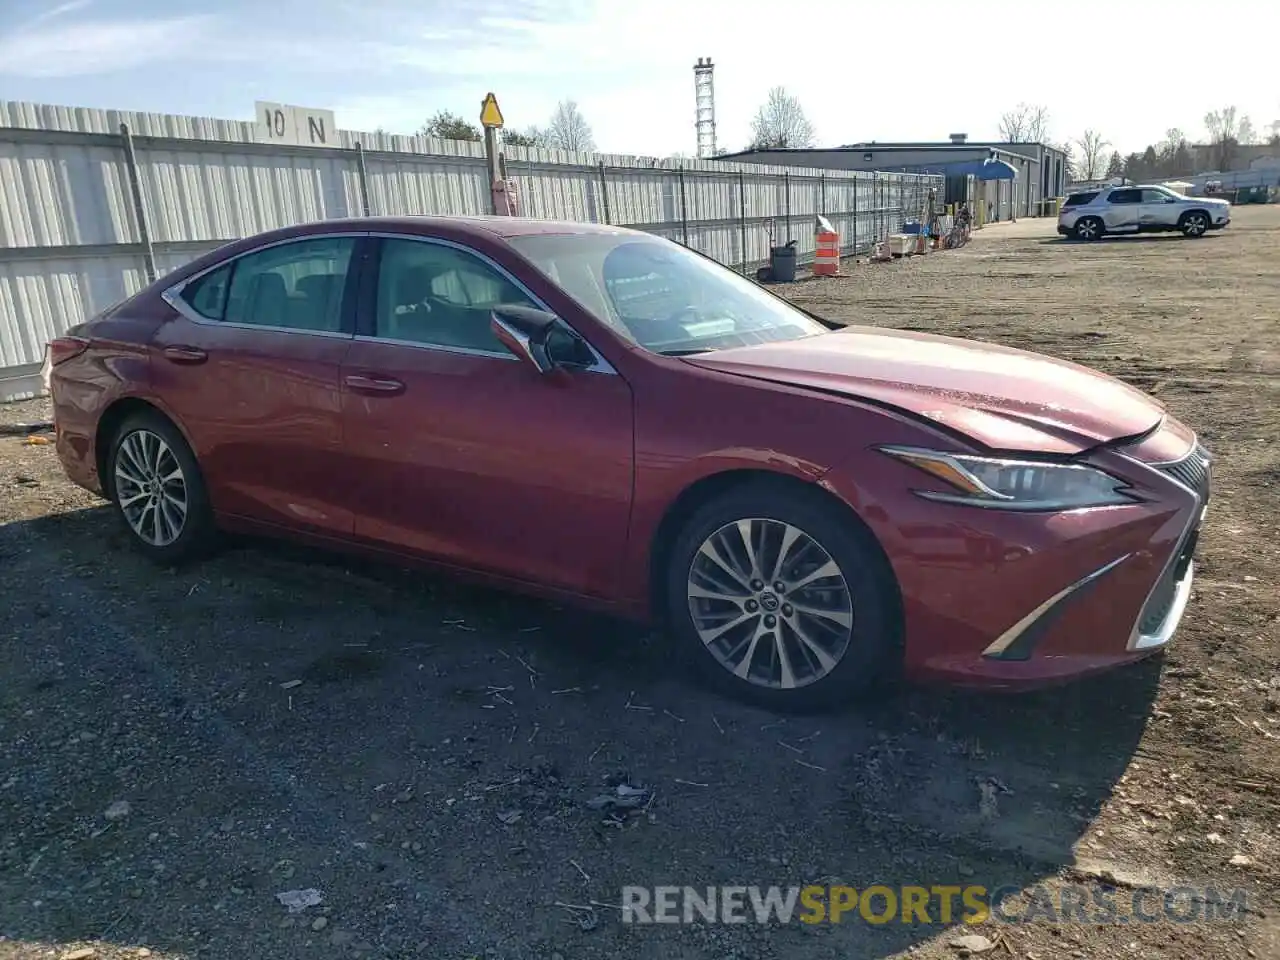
(538, 338)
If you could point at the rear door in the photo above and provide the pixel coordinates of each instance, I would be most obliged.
(1122, 210)
(249, 364)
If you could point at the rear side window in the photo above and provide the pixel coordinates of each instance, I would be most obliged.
(1080, 199)
(207, 295)
(1125, 196)
(295, 286)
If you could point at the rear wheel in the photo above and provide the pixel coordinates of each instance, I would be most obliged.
(779, 597)
(1089, 228)
(159, 491)
(1194, 224)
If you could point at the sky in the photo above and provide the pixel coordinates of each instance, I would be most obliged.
(851, 63)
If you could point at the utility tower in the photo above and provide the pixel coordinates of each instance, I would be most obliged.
(705, 94)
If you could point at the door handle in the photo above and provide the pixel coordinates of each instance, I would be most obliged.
(180, 353)
(376, 386)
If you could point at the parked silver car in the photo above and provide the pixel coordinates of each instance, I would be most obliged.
(1092, 214)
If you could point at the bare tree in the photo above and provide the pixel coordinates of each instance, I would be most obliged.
(1092, 150)
(1025, 123)
(1245, 132)
(1222, 124)
(781, 123)
(569, 130)
(1224, 131)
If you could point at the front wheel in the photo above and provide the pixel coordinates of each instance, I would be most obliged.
(1194, 224)
(158, 490)
(1089, 228)
(778, 597)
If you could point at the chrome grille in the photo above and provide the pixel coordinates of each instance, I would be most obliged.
(1192, 471)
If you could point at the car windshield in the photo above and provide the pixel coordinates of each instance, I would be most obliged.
(662, 296)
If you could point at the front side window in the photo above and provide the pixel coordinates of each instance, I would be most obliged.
(435, 294)
(662, 296)
(296, 286)
(1157, 196)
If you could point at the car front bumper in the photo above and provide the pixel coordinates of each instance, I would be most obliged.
(1029, 600)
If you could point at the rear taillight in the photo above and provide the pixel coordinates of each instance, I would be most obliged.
(64, 348)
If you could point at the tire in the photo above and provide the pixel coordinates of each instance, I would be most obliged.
(1194, 224)
(859, 635)
(1089, 228)
(158, 528)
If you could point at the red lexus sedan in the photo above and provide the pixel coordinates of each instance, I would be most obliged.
(597, 414)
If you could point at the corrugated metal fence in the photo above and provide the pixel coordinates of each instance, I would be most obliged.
(92, 201)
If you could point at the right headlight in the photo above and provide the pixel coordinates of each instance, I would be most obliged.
(1006, 484)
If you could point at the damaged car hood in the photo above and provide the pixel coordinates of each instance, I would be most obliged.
(1004, 398)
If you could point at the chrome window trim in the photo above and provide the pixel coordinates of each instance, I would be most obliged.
(172, 295)
(600, 365)
(439, 347)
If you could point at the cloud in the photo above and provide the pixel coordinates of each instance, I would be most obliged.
(96, 46)
(59, 11)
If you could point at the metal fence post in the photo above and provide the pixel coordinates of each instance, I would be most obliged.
(363, 176)
(139, 211)
(786, 202)
(855, 215)
(742, 217)
(604, 194)
(822, 187)
(684, 209)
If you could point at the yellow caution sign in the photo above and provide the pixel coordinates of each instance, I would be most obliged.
(490, 115)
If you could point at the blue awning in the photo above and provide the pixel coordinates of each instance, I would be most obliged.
(983, 170)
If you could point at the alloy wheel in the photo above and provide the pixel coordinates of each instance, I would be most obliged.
(150, 487)
(1197, 223)
(770, 603)
(1087, 229)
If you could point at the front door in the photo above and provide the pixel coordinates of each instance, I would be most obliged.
(249, 365)
(467, 455)
(1159, 209)
(1123, 210)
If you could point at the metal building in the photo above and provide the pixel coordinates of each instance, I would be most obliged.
(1041, 168)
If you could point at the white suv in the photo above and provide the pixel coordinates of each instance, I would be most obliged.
(1092, 214)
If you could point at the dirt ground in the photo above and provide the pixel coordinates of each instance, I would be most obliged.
(176, 748)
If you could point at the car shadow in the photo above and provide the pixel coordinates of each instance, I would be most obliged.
(1128, 238)
(383, 730)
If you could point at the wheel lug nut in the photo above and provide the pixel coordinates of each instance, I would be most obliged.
(786, 610)
(752, 606)
(779, 587)
(757, 584)
(770, 621)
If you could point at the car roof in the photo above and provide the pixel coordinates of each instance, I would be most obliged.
(504, 227)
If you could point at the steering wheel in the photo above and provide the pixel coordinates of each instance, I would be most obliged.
(688, 309)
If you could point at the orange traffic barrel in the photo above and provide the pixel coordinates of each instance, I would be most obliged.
(826, 258)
